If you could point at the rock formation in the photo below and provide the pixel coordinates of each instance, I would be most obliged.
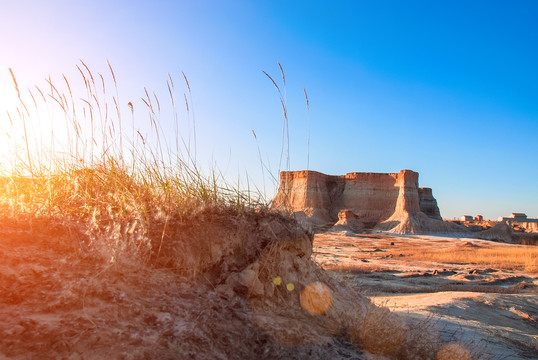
(428, 204)
(500, 232)
(409, 217)
(393, 201)
(347, 220)
(531, 227)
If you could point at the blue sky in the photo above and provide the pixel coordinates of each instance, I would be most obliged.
(448, 89)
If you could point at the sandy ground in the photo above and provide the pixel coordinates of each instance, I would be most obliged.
(492, 309)
(58, 302)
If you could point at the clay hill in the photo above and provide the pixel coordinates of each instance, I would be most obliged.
(391, 202)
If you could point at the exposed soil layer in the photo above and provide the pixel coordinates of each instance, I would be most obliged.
(58, 301)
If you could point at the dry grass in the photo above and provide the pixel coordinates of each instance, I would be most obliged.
(393, 336)
(520, 257)
(120, 189)
(380, 331)
(357, 268)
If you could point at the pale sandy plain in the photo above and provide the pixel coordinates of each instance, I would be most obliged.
(495, 310)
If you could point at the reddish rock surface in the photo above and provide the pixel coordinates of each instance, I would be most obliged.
(347, 220)
(428, 204)
(371, 197)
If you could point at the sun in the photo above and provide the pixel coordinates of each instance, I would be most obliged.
(28, 124)
(42, 123)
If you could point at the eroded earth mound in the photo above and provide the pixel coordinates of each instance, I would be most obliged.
(217, 284)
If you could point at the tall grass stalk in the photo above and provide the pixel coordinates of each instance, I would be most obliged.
(91, 174)
(23, 117)
(285, 110)
(261, 160)
(308, 131)
(285, 128)
(189, 110)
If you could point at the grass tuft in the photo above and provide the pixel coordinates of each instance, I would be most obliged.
(120, 192)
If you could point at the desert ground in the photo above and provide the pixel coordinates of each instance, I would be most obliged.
(58, 301)
(492, 307)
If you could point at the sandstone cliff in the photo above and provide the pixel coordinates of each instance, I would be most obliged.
(409, 215)
(393, 199)
(428, 204)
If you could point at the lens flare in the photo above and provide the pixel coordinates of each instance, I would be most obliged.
(453, 351)
(316, 298)
(290, 287)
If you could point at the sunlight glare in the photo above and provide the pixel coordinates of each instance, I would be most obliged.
(316, 298)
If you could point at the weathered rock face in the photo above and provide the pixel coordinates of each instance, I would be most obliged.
(524, 226)
(308, 194)
(500, 232)
(408, 200)
(371, 197)
(347, 220)
(530, 226)
(428, 204)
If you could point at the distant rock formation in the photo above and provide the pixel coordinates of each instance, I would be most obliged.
(347, 220)
(521, 222)
(428, 204)
(392, 201)
(500, 232)
(531, 227)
